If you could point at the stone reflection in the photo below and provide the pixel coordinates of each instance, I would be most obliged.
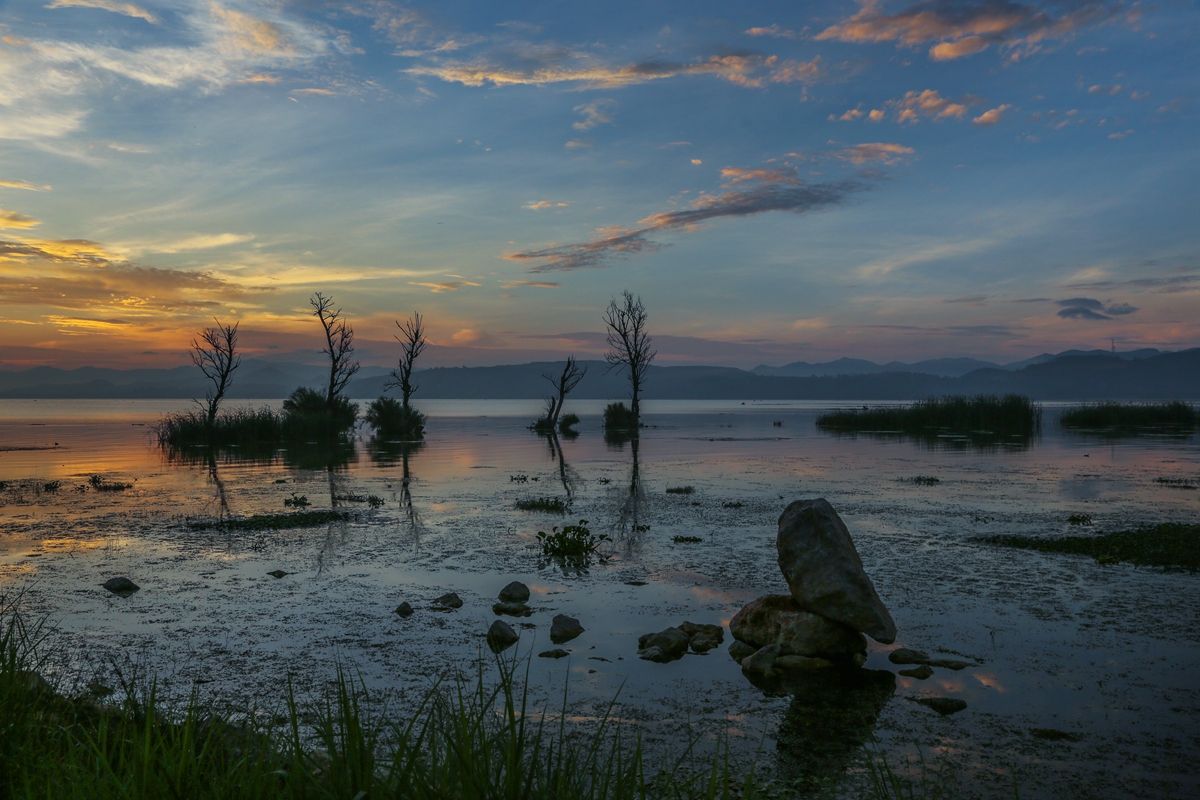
(831, 716)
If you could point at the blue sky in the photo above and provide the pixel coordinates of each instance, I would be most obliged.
(778, 181)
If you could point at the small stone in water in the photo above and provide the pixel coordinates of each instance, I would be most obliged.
(943, 705)
(501, 636)
(515, 592)
(564, 629)
(404, 610)
(904, 655)
(121, 586)
(920, 673)
(278, 573)
(557, 652)
(512, 609)
(450, 600)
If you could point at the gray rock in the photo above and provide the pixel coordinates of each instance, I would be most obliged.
(449, 600)
(278, 573)
(564, 628)
(903, 655)
(513, 609)
(824, 572)
(557, 652)
(943, 705)
(656, 655)
(739, 650)
(693, 628)
(673, 642)
(790, 663)
(763, 661)
(778, 619)
(948, 663)
(703, 642)
(501, 636)
(920, 673)
(121, 586)
(515, 592)
(404, 610)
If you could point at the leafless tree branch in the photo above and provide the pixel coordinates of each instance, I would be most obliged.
(339, 346)
(412, 344)
(215, 353)
(629, 344)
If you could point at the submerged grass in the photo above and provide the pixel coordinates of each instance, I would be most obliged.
(550, 505)
(1169, 545)
(260, 522)
(469, 739)
(1010, 414)
(1115, 417)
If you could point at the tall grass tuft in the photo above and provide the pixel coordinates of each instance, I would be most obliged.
(243, 427)
(1114, 416)
(468, 739)
(393, 421)
(306, 417)
(1011, 414)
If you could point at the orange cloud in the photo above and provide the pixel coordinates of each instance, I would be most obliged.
(929, 103)
(14, 221)
(24, 185)
(250, 34)
(544, 204)
(992, 116)
(802, 71)
(446, 286)
(128, 9)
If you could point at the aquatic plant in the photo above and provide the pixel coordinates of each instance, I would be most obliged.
(551, 505)
(1176, 483)
(686, 539)
(1170, 545)
(572, 540)
(1079, 519)
(1114, 417)
(566, 422)
(101, 485)
(680, 490)
(260, 522)
(243, 427)
(374, 501)
(990, 414)
(49, 486)
(296, 501)
(618, 417)
(923, 480)
(393, 420)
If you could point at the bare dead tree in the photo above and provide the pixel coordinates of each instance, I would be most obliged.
(629, 344)
(412, 343)
(215, 353)
(339, 346)
(563, 385)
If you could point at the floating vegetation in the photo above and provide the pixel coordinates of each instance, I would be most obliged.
(1054, 735)
(686, 539)
(99, 484)
(1080, 519)
(735, 504)
(680, 490)
(374, 501)
(1176, 483)
(259, 522)
(550, 505)
(1169, 545)
(922, 480)
(1130, 419)
(640, 528)
(571, 541)
(296, 501)
(952, 422)
(49, 486)
(518, 479)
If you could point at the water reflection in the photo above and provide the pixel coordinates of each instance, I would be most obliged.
(832, 714)
(389, 454)
(973, 441)
(569, 477)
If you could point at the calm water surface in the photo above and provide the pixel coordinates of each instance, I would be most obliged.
(1110, 654)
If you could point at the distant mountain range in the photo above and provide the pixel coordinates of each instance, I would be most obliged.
(1072, 375)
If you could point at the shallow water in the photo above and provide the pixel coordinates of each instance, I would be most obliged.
(1110, 653)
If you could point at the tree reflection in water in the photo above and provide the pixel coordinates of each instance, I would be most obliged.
(629, 528)
(389, 454)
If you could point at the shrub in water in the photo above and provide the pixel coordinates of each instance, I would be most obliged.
(619, 417)
(393, 420)
(567, 421)
(572, 540)
(1117, 416)
(307, 417)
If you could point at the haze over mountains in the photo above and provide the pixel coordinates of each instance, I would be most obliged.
(1072, 375)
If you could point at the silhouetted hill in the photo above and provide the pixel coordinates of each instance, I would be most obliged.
(1076, 376)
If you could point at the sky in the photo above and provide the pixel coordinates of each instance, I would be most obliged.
(776, 181)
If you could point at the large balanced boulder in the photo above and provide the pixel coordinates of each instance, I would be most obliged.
(779, 619)
(824, 572)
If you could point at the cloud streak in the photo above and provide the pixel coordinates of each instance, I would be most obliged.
(960, 28)
(1088, 308)
(116, 7)
(751, 192)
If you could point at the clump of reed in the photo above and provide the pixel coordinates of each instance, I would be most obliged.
(618, 416)
(308, 417)
(240, 427)
(1114, 416)
(470, 738)
(1010, 414)
(394, 421)
(1169, 545)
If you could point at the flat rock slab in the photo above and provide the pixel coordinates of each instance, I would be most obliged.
(904, 655)
(515, 592)
(943, 705)
(121, 586)
(779, 619)
(564, 628)
(557, 652)
(824, 572)
(920, 673)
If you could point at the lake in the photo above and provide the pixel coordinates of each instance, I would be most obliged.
(1107, 654)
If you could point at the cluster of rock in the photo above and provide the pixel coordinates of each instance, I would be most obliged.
(673, 643)
(924, 664)
(831, 605)
(514, 600)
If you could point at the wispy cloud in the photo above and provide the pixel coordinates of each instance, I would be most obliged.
(597, 112)
(1088, 308)
(535, 284)
(32, 187)
(992, 116)
(444, 286)
(962, 28)
(115, 6)
(775, 31)
(11, 220)
(542, 205)
(751, 192)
